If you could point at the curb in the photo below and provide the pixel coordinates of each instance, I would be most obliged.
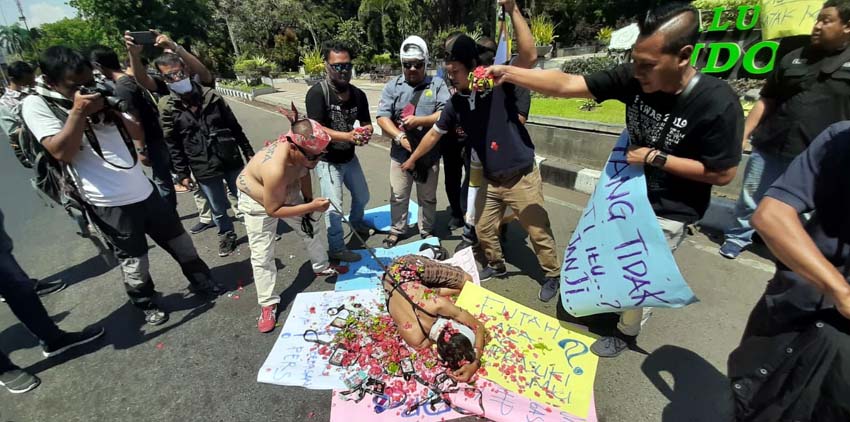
(719, 216)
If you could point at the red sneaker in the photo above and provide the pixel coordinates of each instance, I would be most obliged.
(268, 318)
(332, 270)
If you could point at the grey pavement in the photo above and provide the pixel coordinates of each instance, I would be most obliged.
(202, 364)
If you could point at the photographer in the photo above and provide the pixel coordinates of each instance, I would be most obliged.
(89, 142)
(205, 139)
(154, 152)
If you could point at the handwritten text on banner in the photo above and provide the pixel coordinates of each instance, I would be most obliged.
(618, 257)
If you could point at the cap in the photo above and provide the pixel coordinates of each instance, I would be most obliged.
(464, 50)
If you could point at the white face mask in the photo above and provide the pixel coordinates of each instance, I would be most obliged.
(181, 87)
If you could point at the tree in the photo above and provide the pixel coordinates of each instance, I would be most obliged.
(15, 39)
(386, 13)
(75, 33)
(185, 20)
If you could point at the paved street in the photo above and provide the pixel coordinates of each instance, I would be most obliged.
(202, 364)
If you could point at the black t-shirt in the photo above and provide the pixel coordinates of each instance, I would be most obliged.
(492, 128)
(325, 107)
(707, 126)
(816, 181)
(141, 104)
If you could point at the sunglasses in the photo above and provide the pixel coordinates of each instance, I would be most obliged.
(413, 65)
(174, 76)
(341, 67)
(308, 156)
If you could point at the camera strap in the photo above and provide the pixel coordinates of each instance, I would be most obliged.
(92, 137)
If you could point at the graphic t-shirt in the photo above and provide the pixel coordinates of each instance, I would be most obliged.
(707, 126)
(492, 128)
(100, 183)
(333, 113)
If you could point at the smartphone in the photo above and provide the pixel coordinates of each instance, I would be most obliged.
(143, 37)
(337, 357)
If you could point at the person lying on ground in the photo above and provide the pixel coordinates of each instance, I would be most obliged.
(419, 291)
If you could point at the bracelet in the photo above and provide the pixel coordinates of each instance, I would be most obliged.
(397, 138)
(646, 157)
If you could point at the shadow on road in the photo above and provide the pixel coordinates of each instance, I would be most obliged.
(124, 328)
(698, 392)
(302, 280)
(90, 268)
(18, 336)
(233, 274)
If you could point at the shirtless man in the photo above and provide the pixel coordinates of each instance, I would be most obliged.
(276, 185)
(419, 291)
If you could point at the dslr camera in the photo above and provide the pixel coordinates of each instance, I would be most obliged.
(108, 95)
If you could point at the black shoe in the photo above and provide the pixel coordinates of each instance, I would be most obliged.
(463, 245)
(70, 340)
(18, 381)
(207, 287)
(155, 316)
(455, 223)
(197, 228)
(44, 288)
(226, 243)
(490, 272)
(549, 289)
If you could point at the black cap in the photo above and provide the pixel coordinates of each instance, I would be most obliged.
(464, 50)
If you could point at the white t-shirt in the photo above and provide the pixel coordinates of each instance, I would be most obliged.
(100, 183)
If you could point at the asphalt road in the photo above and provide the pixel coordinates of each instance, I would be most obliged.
(202, 364)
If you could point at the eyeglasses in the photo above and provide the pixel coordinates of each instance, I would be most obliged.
(341, 67)
(174, 76)
(308, 156)
(413, 65)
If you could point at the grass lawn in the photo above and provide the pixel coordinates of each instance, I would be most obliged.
(608, 112)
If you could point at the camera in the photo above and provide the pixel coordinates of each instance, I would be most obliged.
(108, 95)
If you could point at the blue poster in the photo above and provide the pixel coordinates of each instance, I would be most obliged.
(379, 218)
(618, 258)
(366, 273)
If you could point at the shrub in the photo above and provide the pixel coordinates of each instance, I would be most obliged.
(314, 63)
(382, 59)
(543, 30)
(604, 35)
(255, 67)
(588, 65)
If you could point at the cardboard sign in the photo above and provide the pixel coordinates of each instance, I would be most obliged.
(294, 361)
(532, 354)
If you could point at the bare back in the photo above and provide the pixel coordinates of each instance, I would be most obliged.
(272, 167)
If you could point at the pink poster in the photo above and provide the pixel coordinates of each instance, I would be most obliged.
(499, 405)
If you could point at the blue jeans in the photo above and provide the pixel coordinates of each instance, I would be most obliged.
(217, 196)
(762, 170)
(332, 177)
(161, 171)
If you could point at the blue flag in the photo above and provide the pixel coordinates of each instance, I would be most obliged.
(618, 257)
(501, 49)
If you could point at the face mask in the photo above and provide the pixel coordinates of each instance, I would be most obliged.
(183, 86)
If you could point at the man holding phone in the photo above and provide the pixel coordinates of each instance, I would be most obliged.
(138, 44)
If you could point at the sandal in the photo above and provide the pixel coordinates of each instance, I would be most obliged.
(390, 241)
(440, 253)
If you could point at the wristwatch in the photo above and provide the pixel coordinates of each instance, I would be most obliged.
(659, 160)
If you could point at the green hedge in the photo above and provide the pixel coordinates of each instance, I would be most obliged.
(588, 65)
(241, 86)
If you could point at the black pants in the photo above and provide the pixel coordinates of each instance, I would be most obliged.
(452, 152)
(19, 292)
(125, 228)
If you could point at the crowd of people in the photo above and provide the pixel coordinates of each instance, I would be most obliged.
(93, 124)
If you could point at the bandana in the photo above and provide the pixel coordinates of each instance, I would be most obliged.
(313, 144)
(441, 323)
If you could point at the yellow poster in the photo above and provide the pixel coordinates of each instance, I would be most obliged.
(785, 18)
(532, 354)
